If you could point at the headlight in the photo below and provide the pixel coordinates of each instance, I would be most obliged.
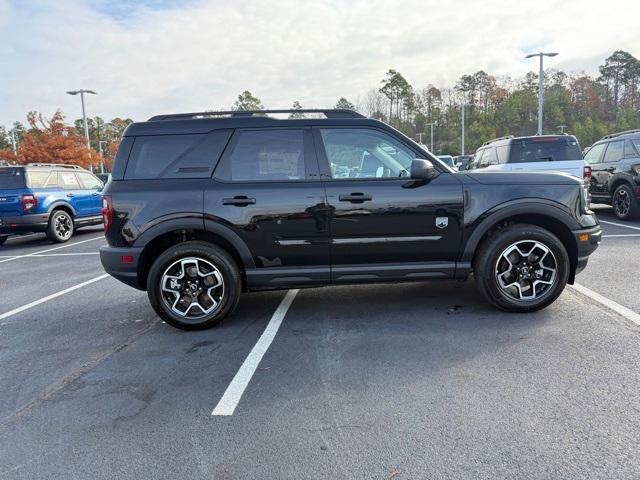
(586, 197)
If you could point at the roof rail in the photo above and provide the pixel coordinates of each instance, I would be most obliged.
(612, 135)
(329, 113)
(55, 165)
(506, 137)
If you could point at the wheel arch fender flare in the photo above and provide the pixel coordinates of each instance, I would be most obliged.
(514, 208)
(61, 204)
(619, 179)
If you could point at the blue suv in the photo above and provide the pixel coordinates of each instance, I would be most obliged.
(52, 198)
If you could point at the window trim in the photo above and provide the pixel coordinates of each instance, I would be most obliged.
(323, 159)
(604, 153)
(310, 162)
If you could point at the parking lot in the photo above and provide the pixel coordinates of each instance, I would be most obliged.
(420, 380)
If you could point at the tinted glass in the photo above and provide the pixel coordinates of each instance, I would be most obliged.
(68, 180)
(446, 159)
(152, 155)
(365, 153)
(11, 177)
(637, 145)
(629, 149)
(502, 153)
(88, 181)
(594, 153)
(490, 157)
(614, 152)
(37, 179)
(265, 155)
(544, 150)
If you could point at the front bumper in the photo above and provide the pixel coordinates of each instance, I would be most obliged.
(588, 240)
(122, 264)
(32, 222)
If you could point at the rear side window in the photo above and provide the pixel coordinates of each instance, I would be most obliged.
(637, 145)
(264, 155)
(490, 157)
(615, 151)
(11, 178)
(503, 154)
(175, 156)
(629, 150)
(68, 180)
(544, 150)
(37, 179)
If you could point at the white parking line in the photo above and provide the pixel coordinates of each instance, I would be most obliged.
(10, 313)
(233, 394)
(610, 304)
(620, 225)
(15, 257)
(50, 255)
(622, 235)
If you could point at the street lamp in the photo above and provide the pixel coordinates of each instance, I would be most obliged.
(82, 91)
(100, 142)
(431, 125)
(540, 85)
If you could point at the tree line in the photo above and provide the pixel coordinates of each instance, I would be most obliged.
(586, 106)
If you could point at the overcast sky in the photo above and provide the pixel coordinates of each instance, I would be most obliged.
(160, 56)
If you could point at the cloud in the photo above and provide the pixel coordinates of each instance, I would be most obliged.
(169, 56)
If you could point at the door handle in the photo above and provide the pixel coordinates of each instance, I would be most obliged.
(355, 197)
(239, 201)
(69, 195)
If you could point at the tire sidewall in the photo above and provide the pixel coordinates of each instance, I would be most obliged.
(503, 241)
(220, 259)
(633, 206)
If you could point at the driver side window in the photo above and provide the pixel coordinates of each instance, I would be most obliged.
(355, 153)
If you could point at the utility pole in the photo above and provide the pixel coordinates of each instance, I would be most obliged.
(431, 125)
(540, 85)
(419, 137)
(82, 91)
(100, 142)
(462, 142)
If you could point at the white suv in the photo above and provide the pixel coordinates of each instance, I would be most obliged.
(549, 153)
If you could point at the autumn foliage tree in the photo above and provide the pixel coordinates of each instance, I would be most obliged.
(52, 141)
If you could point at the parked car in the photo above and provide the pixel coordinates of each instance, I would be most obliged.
(104, 177)
(52, 198)
(615, 178)
(543, 153)
(203, 206)
(462, 161)
(447, 160)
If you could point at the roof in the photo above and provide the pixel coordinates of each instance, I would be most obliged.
(510, 138)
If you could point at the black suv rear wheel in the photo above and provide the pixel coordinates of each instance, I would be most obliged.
(624, 203)
(521, 268)
(194, 285)
(60, 228)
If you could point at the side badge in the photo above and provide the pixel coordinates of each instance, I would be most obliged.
(442, 222)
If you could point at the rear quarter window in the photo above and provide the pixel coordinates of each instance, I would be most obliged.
(544, 150)
(12, 178)
(175, 156)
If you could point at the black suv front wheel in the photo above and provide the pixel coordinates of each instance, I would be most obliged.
(194, 285)
(521, 268)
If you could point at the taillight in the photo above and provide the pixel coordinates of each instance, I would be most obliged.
(29, 202)
(107, 212)
(586, 173)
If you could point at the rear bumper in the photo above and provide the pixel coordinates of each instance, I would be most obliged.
(588, 240)
(33, 222)
(122, 264)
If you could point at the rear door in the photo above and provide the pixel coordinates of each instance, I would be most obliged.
(266, 188)
(12, 186)
(73, 192)
(607, 167)
(384, 225)
(593, 158)
(552, 154)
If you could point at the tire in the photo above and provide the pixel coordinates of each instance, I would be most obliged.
(194, 300)
(624, 202)
(3, 238)
(498, 264)
(60, 228)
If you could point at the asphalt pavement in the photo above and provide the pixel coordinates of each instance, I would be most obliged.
(420, 380)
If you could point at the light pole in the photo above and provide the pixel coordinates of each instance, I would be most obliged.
(100, 142)
(431, 125)
(13, 142)
(540, 85)
(419, 134)
(562, 127)
(82, 91)
(462, 105)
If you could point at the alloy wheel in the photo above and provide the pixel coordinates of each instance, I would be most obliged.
(526, 270)
(621, 202)
(63, 226)
(192, 288)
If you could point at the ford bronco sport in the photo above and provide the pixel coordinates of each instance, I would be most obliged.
(204, 206)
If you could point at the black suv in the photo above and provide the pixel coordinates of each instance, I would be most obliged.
(204, 206)
(615, 173)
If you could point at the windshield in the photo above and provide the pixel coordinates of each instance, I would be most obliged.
(544, 150)
(11, 178)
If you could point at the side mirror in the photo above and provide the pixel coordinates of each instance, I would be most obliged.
(422, 169)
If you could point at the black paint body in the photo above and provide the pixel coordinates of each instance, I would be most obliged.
(316, 230)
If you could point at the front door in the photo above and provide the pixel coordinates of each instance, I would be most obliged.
(384, 225)
(266, 188)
